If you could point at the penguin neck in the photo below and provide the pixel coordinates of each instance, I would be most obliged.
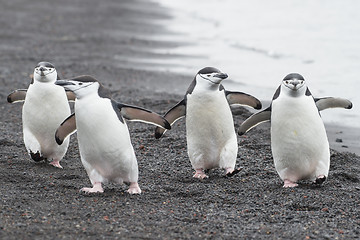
(44, 80)
(82, 95)
(89, 91)
(49, 78)
(292, 93)
(203, 85)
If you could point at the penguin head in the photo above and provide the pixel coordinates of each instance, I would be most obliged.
(45, 72)
(81, 86)
(210, 76)
(294, 82)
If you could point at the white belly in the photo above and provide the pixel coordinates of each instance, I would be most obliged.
(45, 108)
(210, 131)
(104, 142)
(298, 139)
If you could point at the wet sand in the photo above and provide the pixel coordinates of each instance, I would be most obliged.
(39, 201)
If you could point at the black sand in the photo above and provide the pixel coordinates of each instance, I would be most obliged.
(39, 201)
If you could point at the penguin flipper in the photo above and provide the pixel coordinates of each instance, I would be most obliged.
(243, 99)
(67, 127)
(255, 120)
(70, 95)
(133, 113)
(331, 102)
(17, 96)
(174, 114)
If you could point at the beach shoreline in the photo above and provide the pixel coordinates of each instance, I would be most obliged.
(39, 201)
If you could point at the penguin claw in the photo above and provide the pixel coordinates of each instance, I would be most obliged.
(91, 190)
(203, 176)
(200, 174)
(289, 184)
(134, 188)
(96, 188)
(56, 164)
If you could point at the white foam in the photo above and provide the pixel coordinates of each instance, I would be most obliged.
(259, 42)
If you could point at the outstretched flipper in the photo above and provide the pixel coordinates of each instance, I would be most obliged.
(331, 102)
(133, 113)
(242, 99)
(67, 127)
(20, 94)
(17, 96)
(174, 114)
(254, 120)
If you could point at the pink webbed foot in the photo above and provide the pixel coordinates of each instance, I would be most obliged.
(56, 163)
(96, 188)
(200, 174)
(134, 188)
(229, 172)
(288, 184)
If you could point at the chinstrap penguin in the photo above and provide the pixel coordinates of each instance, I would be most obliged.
(45, 107)
(299, 143)
(210, 133)
(104, 142)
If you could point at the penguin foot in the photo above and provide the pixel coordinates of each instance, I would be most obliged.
(288, 183)
(56, 164)
(134, 188)
(36, 156)
(320, 179)
(200, 174)
(231, 172)
(96, 188)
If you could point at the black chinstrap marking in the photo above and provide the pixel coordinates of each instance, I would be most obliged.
(81, 87)
(209, 80)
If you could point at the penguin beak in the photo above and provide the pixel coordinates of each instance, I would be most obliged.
(63, 83)
(42, 71)
(221, 75)
(295, 83)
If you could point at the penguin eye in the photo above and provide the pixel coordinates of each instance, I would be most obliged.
(287, 82)
(80, 83)
(209, 75)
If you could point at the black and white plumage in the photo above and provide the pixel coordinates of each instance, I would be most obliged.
(45, 107)
(299, 142)
(210, 133)
(104, 140)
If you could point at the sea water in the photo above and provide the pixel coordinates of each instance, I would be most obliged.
(257, 43)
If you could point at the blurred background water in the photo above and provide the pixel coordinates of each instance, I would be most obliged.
(259, 42)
